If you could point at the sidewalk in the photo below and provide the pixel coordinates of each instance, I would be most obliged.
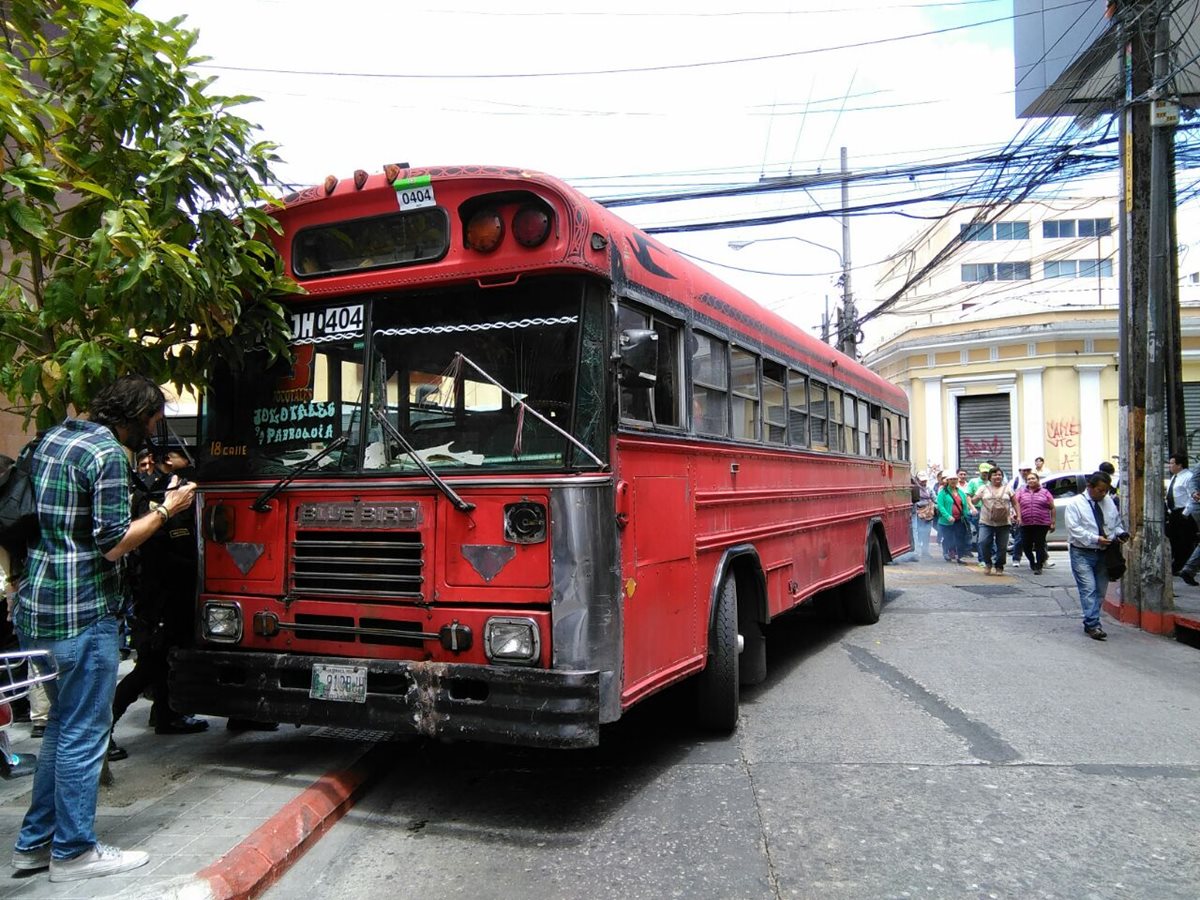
(194, 800)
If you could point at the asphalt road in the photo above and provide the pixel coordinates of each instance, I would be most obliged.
(972, 744)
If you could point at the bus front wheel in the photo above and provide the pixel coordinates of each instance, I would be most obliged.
(864, 595)
(717, 685)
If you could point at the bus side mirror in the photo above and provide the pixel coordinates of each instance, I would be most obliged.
(638, 358)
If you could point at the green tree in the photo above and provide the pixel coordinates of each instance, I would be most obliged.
(132, 203)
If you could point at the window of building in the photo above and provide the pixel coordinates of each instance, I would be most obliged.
(1058, 228)
(1012, 231)
(976, 232)
(1012, 271)
(710, 385)
(1069, 228)
(978, 272)
(1078, 268)
(774, 400)
(745, 394)
(797, 388)
(1095, 268)
(1061, 268)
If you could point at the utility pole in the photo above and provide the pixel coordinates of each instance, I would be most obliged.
(1163, 115)
(825, 322)
(848, 326)
(1134, 256)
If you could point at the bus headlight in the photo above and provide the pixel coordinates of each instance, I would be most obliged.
(222, 622)
(508, 640)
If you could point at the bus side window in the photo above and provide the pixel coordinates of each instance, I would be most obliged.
(834, 406)
(895, 441)
(876, 431)
(850, 444)
(744, 394)
(817, 415)
(774, 401)
(797, 388)
(660, 405)
(864, 429)
(710, 385)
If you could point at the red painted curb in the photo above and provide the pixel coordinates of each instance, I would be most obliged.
(261, 859)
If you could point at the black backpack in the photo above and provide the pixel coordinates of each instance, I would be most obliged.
(18, 502)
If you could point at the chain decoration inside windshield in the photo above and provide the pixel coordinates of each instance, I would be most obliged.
(474, 326)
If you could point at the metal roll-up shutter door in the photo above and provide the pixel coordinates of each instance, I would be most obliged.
(984, 432)
(1191, 418)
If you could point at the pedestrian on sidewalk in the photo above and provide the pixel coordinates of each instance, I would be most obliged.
(1036, 504)
(1016, 533)
(1093, 525)
(952, 507)
(1192, 566)
(997, 513)
(163, 588)
(924, 511)
(67, 602)
(1181, 530)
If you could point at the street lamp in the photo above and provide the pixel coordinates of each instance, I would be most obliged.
(846, 316)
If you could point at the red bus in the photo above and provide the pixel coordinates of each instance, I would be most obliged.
(527, 468)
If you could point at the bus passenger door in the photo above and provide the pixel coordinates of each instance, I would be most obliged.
(658, 571)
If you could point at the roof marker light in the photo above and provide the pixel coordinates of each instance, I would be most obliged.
(360, 178)
(330, 184)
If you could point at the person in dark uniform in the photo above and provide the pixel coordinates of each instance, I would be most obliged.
(164, 586)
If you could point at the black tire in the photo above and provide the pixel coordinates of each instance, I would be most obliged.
(717, 685)
(864, 595)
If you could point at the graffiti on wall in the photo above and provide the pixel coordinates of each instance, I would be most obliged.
(986, 448)
(1063, 435)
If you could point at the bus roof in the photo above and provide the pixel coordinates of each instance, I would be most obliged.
(594, 239)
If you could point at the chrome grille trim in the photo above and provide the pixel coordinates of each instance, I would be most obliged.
(387, 565)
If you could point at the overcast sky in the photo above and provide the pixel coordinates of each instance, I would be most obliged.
(717, 96)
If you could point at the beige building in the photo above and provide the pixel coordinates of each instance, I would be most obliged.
(1008, 348)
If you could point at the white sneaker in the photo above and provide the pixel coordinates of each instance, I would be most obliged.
(100, 860)
(1049, 564)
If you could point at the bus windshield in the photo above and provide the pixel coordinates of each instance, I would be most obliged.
(449, 370)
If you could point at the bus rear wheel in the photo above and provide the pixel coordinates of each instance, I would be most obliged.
(717, 685)
(864, 595)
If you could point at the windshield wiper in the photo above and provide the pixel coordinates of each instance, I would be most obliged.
(260, 505)
(533, 412)
(459, 503)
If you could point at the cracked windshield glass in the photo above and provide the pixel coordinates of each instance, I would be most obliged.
(449, 371)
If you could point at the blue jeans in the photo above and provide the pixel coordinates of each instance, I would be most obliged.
(1091, 577)
(954, 539)
(62, 811)
(1018, 542)
(993, 544)
(920, 535)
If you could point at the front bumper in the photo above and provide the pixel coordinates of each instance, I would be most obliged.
(526, 707)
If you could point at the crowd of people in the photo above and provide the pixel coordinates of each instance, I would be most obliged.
(988, 517)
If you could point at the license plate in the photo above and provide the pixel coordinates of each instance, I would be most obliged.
(347, 684)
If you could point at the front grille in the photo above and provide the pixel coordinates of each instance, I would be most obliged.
(335, 564)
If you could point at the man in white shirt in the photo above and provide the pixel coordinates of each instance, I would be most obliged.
(1181, 531)
(1093, 523)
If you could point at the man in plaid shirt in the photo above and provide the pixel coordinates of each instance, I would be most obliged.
(67, 603)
